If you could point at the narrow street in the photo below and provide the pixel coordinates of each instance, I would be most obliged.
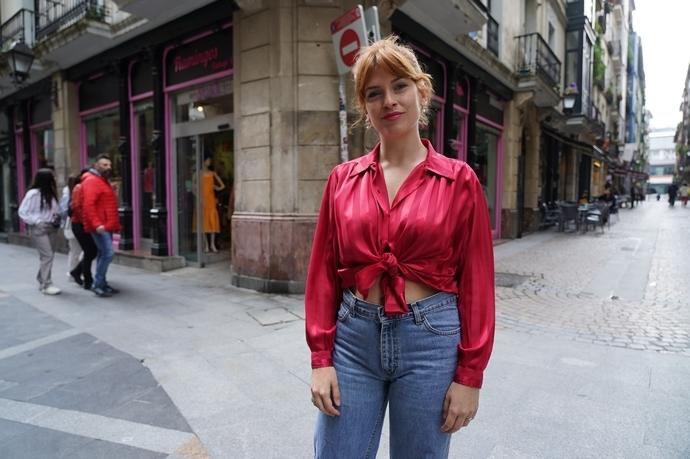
(592, 357)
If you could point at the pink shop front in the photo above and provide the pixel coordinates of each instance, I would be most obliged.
(165, 117)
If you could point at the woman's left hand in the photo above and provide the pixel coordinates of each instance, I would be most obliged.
(459, 407)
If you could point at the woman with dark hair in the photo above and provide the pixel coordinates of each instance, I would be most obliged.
(83, 269)
(40, 211)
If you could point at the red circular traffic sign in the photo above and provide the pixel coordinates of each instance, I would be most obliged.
(349, 46)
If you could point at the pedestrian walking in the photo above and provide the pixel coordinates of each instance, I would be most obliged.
(672, 194)
(400, 288)
(101, 219)
(41, 212)
(90, 251)
(683, 192)
(75, 252)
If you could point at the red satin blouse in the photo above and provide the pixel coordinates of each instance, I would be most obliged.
(436, 232)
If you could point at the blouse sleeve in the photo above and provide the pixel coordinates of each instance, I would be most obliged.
(30, 208)
(476, 290)
(322, 291)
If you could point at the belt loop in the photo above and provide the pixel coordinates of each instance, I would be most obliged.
(418, 318)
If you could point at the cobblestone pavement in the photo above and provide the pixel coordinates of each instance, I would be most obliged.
(628, 286)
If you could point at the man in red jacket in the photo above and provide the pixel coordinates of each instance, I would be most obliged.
(101, 219)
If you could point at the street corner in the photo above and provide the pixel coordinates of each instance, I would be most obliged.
(65, 393)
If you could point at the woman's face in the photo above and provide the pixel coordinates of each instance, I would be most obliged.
(392, 104)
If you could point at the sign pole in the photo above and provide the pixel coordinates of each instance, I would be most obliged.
(344, 155)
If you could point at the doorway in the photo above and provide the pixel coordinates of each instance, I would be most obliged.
(205, 197)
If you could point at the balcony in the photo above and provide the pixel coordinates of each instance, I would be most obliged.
(538, 69)
(19, 27)
(72, 29)
(55, 16)
(589, 121)
(447, 17)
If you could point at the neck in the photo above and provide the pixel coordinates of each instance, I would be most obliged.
(404, 150)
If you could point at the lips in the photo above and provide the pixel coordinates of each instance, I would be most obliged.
(392, 116)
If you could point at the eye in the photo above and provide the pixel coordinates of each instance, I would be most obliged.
(371, 95)
(400, 87)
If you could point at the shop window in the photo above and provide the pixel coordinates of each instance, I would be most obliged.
(43, 148)
(102, 134)
(204, 102)
(485, 166)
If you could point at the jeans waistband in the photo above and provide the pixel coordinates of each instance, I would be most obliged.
(415, 310)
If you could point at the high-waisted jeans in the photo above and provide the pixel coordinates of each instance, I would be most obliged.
(405, 362)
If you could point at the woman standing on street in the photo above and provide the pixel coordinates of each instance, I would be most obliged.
(400, 289)
(40, 211)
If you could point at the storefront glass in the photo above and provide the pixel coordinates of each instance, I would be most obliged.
(43, 148)
(143, 132)
(204, 164)
(102, 134)
(484, 165)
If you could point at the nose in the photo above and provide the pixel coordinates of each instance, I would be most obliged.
(389, 99)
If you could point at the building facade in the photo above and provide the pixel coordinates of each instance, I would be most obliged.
(662, 160)
(682, 137)
(252, 86)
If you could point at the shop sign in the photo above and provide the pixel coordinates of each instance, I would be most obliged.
(200, 58)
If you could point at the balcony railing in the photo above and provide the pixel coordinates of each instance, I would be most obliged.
(19, 27)
(535, 57)
(53, 15)
(492, 35)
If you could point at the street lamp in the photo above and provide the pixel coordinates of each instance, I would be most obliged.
(21, 57)
(570, 97)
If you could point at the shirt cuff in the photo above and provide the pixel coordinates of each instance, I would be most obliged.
(320, 359)
(469, 377)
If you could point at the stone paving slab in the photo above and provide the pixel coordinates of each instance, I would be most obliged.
(21, 323)
(36, 442)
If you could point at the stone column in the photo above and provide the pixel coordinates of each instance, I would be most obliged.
(512, 140)
(286, 142)
(65, 119)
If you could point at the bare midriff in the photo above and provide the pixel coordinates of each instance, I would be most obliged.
(414, 291)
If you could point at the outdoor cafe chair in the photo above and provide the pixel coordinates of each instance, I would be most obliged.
(568, 213)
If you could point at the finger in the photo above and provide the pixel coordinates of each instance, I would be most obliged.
(316, 400)
(446, 404)
(450, 421)
(328, 407)
(335, 390)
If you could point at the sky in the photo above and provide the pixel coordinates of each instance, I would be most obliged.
(663, 27)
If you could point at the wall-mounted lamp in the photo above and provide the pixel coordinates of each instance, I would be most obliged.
(570, 97)
(21, 57)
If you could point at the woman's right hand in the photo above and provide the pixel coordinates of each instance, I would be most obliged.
(325, 394)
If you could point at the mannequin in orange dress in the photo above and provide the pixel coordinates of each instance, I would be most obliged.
(210, 183)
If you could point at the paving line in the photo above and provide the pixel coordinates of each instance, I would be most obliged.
(94, 426)
(18, 349)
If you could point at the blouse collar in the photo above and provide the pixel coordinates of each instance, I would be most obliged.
(434, 162)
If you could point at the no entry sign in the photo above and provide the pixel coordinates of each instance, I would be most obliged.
(349, 35)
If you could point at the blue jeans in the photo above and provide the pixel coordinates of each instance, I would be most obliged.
(405, 362)
(104, 243)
